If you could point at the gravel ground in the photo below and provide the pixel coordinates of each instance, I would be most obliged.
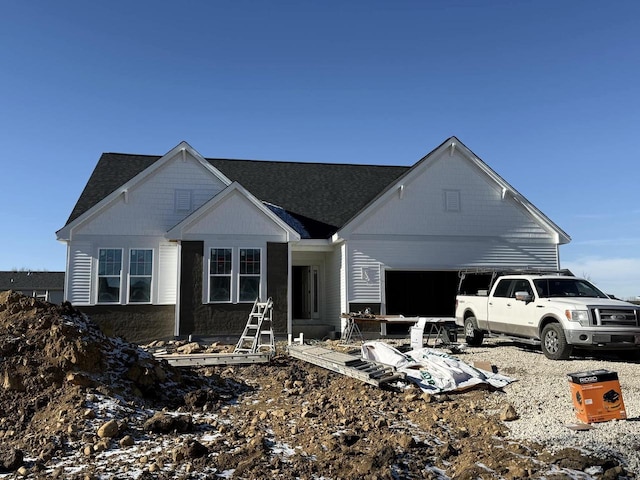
(542, 398)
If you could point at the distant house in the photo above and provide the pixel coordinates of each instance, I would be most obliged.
(172, 245)
(48, 286)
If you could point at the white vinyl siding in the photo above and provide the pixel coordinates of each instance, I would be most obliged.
(157, 204)
(335, 288)
(436, 254)
(429, 199)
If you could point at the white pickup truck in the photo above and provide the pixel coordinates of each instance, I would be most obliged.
(557, 311)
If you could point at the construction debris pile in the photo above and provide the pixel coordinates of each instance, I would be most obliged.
(76, 404)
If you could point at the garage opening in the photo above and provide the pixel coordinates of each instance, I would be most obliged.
(423, 293)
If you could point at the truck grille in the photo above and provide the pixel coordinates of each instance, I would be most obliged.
(618, 317)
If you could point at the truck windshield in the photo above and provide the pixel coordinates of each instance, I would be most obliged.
(566, 287)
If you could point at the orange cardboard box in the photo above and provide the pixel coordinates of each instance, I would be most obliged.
(597, 396)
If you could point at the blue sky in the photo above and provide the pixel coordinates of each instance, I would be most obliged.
(547, 93)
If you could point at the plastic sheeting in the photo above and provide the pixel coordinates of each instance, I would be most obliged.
(432, 370)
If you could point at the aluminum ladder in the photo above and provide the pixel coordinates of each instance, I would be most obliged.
(257, 336)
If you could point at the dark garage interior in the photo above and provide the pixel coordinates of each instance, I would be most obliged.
(421, 293)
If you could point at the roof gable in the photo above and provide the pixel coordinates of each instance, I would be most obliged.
(109, 172)
(245, 215)
(430, 197)
(317, 198)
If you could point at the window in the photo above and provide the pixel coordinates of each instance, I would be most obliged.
(109, 271)
(502, 289)
(521, 286)
(249, 274)
(140, 269)
(220, 275)
(451, 200)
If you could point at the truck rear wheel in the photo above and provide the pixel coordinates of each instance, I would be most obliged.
(554, 342)
(472, 335)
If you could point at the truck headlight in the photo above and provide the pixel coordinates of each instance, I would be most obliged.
(581, 316)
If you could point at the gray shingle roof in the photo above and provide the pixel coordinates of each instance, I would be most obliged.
(31, 280)
(321, 197)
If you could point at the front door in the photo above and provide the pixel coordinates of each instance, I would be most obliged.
(305, 285)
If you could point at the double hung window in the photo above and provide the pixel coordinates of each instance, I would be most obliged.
(249, 274)
(234, 274)
(140, 272)
(109, 275)
(220, 275)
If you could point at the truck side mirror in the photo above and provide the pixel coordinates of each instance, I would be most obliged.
(523, 296)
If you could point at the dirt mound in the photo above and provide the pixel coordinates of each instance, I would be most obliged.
(76, 404)
(51, 356)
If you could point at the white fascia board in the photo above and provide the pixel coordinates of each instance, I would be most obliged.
(312, 245)
(65, 233)
(177, 231)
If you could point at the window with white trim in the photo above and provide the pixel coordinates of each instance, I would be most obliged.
(109, 275)
(140, 275)
(249, 278)
(220, 275)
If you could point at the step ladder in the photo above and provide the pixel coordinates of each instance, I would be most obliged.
(257, 336)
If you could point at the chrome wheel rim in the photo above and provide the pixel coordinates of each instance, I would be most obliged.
(470, 330)
(551, 341)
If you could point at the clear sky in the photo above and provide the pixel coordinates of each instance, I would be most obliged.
(547, 93)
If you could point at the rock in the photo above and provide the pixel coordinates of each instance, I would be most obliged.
(508, 413)
(194, 449)
(80, 379)
(11, 459)
(411, 397)
(13, 382)
(101, 446)
(109, 429)
(163, 423)
(189, 348)
(126, 441)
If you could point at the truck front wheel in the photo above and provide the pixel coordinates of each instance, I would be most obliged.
(472, 335)
(554, 342)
